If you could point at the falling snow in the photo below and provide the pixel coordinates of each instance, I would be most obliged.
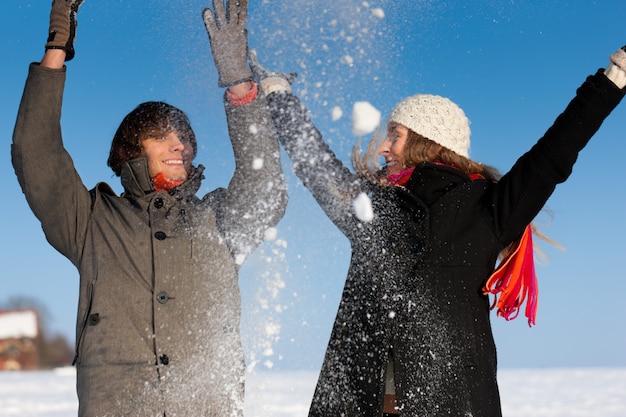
(365, 118)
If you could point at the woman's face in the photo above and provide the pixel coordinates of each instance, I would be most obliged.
(392, 148)
(169, 155)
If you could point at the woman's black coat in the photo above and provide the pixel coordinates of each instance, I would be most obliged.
(415, 281)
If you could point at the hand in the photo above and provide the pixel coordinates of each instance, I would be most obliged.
(229, 40)
(270, 81)
(63, 24)
(616, 70)
(619, 58)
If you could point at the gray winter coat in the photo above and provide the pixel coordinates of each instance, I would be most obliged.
(159, 308)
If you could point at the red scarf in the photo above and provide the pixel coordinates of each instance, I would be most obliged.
(400, 178)
(161, 183)
(514, 279)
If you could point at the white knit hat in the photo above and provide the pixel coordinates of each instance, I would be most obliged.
(436, 118)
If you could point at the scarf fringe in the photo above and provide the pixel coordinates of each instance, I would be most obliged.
(515, 281)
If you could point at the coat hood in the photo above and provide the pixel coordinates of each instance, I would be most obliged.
(432, 181)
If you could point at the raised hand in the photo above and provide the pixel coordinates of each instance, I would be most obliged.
(229, 40)
(270, 81)
(63, 24)
(616, 71)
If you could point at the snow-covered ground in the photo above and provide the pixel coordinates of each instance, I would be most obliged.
(582, 392)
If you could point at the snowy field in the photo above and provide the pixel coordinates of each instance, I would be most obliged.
(583, 392)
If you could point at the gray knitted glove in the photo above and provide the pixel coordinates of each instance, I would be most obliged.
(616, 70)
(229, 40)
(270, 81)
(63, 24)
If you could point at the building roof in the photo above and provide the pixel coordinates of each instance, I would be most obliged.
(15, 324)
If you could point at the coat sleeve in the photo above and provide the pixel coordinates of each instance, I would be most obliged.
(44, 169)
(522, 192)
(333, 185)
(256, 197)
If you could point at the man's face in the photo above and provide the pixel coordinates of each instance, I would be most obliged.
(168, 155)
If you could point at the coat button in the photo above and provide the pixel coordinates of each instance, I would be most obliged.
(164, 360)
(160, 235)
(94, 319)
(158, 203)
(162, 297)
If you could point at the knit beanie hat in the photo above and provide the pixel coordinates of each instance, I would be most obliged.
(436, 118)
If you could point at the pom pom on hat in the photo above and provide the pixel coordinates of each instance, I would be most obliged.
(436, 118)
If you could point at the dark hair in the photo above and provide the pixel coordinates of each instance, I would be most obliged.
(148, 120)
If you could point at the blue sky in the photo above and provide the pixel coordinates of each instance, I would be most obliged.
(511, 65)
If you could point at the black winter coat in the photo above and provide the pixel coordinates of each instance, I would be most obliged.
(415, 281)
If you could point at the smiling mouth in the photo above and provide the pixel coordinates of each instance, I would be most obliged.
(174, 162)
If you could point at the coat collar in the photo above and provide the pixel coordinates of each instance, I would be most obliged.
(431, 181)
(137, 183)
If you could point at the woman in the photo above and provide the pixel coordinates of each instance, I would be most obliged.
(414, 300)
(159, 306)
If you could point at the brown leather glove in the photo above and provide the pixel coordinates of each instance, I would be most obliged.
(63, 24)
(229, 40)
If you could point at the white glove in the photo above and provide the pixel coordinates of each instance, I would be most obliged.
(270, 81)
(616, 70)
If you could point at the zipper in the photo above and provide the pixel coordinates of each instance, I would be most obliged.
(85, 321)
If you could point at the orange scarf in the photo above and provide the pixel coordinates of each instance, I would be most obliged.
(515, 280)
(161, 183)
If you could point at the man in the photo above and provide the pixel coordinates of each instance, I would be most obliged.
(159, 304)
